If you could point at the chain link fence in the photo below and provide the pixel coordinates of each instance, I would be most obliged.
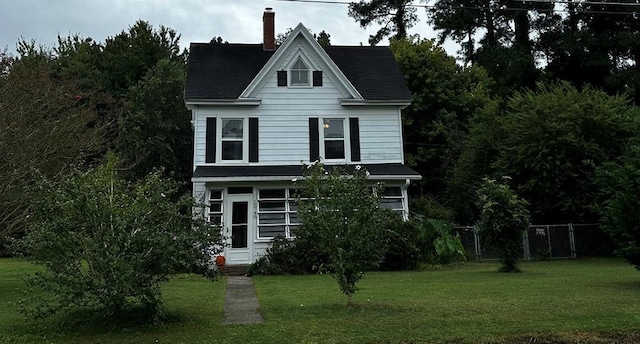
(560, 241)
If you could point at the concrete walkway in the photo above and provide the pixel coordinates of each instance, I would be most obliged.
(240, 302)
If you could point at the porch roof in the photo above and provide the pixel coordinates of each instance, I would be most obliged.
(392, 171)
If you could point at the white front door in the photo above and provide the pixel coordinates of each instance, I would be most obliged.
(238, 227)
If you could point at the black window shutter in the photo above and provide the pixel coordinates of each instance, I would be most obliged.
(354, 138)
(210, 144)
(314, 139)
(253, 139)
(317, 78)
(282, 78)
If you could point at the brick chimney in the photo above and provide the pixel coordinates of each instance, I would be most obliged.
(268, 22)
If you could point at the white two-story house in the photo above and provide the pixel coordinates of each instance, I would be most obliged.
(260, 112)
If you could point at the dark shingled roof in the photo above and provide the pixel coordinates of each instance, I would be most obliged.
(396, 169)
(373, 71)
(223, 71)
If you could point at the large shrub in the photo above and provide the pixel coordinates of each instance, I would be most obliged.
(108, 244)
(286, 256)
(620, 183)
(402, 244)
(503, 220)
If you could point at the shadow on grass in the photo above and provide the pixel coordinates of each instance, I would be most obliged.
(92, 322)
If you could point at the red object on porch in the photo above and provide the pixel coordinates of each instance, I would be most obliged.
(220, 260)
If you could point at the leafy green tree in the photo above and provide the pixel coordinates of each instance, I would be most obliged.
(555, 138)
(395, 16)
(445, 96)
(550, 141)
(340, 215)
(619, 181)
(477, 160)
(156, 131)
(323, 38)
(108, 244)
(495, 34)
(503, 220)
(128, 56)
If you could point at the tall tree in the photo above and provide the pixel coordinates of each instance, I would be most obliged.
(47, 128)
(156, 131)
(494, 33)
(395, 16)
(128, 56)
(445, 96)
(323, 38)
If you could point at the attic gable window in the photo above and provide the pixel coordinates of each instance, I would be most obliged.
(299, 73)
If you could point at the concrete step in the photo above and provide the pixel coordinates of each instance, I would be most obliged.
(234, 270)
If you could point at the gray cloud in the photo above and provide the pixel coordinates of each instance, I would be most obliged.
(238, 21)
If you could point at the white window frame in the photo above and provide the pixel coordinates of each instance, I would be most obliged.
(346, 138)
(403, 207)
(288, 200)
(212, 211)
(300, 57)
(220, 139)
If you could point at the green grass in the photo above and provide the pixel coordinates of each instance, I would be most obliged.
(584, 301)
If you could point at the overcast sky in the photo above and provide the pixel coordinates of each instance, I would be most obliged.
(236, 21)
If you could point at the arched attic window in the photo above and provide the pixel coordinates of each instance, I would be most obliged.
(299, 73)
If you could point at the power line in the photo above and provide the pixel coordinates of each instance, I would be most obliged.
(583, 2)
(514, 9)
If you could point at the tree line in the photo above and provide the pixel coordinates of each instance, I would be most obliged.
(555, 127)
(544, 92)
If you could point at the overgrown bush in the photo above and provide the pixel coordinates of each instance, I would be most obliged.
(430, 208)
(284, 256)
(503, 220)
(620, 184)
(107, 244)
(402, 245)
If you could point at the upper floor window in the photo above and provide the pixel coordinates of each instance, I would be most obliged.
(334, 138)
(232, 139)
(299, 73)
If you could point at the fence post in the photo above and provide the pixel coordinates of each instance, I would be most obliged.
(572, 241)
(549, 242)
(476, 240)
(525, 245)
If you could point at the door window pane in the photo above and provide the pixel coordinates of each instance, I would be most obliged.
(239, 236)
(239, 224)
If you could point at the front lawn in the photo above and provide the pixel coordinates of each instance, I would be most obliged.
(585, 301)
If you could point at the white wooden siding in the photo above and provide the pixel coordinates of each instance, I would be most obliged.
(284, 120)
